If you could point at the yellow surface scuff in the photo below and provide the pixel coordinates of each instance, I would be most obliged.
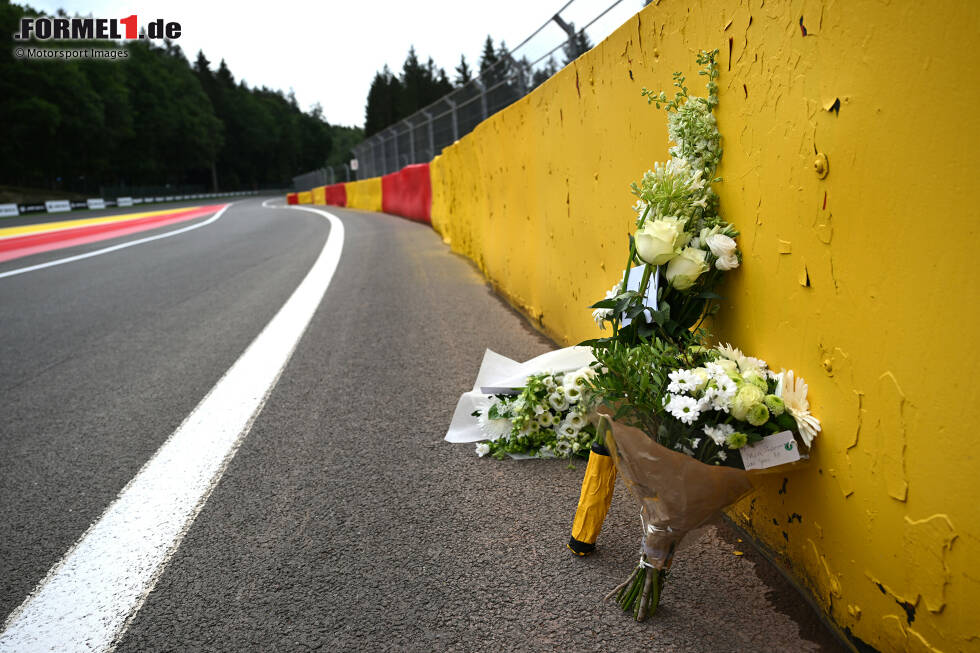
(857, 269)
(364, 194)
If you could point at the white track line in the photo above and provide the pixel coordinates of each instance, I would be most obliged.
(106, 250)
(88, 598)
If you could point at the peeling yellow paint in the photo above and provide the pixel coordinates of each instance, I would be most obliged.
(927, 544)
(890, 435)
(884, 332)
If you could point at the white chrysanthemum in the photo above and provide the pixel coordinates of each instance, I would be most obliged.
(792, 390)
(715, 371)
(722, 455)
(685, 381)
(494, 429)
(719, 433)
(683, 408)
(695, 442)
(482, 449)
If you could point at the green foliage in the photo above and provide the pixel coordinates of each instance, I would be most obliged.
(632, 380)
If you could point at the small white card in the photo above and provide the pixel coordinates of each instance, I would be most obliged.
(773, 450)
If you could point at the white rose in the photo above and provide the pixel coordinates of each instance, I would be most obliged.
(723, 247)
(684, 270)
(661, 240)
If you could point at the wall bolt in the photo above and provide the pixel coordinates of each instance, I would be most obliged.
(821, 165)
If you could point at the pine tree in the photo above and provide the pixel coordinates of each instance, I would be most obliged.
(489, 71)
(576, 45)
(463, 73)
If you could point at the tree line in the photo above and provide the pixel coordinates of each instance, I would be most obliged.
(392, 97)
(151, 119)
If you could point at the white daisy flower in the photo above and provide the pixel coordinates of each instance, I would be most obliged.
(683, 408)
(715, 371)
(720, 397)
(682, 381)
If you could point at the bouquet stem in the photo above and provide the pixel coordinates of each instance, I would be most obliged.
(640, 594)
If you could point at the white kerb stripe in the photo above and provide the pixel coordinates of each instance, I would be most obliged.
(88, 598)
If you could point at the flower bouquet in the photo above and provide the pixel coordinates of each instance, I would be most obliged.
(683, 421)
(546, 418)
(688, 424)
(536, 409)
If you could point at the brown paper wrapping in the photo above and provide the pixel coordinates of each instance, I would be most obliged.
(676, 492)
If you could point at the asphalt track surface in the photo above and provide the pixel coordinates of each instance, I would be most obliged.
(344, 522)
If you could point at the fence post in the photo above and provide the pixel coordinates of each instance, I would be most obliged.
(411, 141)
(452, 111)
(395, 139)
(432, 140)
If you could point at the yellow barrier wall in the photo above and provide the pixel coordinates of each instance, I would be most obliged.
(319, 195)
(364, 194)
(862, 281)
(305, 197)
